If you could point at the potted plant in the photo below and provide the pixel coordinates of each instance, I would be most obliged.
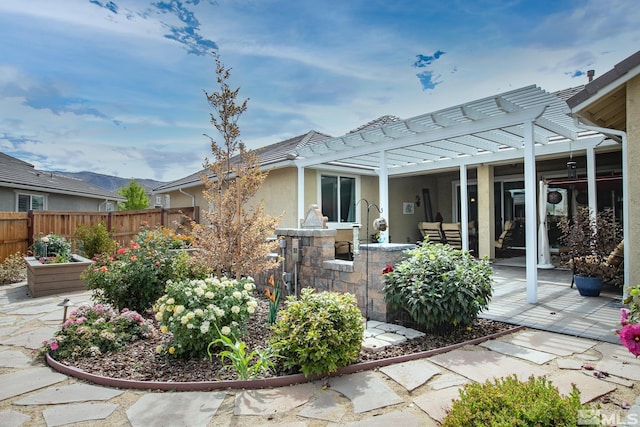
(589, 241)
(53, 268)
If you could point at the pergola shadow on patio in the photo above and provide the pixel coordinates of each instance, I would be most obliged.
(559, 309)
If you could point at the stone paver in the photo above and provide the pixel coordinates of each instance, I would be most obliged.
(14, 359)
(366, 390)
(374, 344)
(482, 365)
(570, 363)
(447, 380)
(412, 374)
(12, 418)
(30, 337)
(535, 356)
(590, 387)
(437, 403)
(188, 409)
(391, 338)
(60, 415)
(328, 406)
(616, 360)
(19, 382)
(271, 401)
(69, 394)
(560, 345)
(397, 418)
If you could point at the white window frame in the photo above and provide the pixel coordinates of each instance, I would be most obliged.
(336, 224)
(31, 196)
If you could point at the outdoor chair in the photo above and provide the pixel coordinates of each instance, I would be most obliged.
(613, 265)
(452, 234)
(432, 231)
(504, 240)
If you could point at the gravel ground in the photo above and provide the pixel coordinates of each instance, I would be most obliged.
(141, 362)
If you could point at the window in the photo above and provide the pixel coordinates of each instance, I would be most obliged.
(30, 202)
(338, 198)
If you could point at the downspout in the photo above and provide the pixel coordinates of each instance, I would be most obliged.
(193, 198)
(625, 189)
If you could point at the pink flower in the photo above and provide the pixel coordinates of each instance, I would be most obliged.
(630, 338)
(81, 319)
(624, 316)
(133, 257)
(54, 345)
(121, 251)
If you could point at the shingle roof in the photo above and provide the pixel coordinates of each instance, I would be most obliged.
(269, 155)
(565, 94)
(379, 122)
(15, 173)
(618, 71)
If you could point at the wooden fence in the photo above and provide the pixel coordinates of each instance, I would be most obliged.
(19, 229)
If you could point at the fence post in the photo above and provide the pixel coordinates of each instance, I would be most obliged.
(30, 238)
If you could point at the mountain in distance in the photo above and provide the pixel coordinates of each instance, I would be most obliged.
(110, 182)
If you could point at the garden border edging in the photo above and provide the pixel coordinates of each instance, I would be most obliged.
(257, 383)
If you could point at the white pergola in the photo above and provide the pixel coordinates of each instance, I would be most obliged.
(521, 124)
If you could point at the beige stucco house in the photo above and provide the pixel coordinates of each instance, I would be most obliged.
(480, 164)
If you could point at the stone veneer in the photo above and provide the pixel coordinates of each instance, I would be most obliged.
(317, 268)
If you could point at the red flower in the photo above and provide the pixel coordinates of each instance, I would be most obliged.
(387, 269)
(121, 251)
(630, 338)
(134, 245)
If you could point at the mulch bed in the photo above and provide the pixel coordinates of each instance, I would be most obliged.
(140, 362)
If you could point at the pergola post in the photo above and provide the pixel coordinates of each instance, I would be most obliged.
(530, 213)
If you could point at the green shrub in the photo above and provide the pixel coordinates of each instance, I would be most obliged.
(194, 310)
(136, 277)
(509, 402)
(52, 245)
(318, 333)
(440, 287)
(94, 240)
(13, 269)
(93, 330)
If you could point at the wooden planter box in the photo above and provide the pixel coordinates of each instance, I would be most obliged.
(51, 279)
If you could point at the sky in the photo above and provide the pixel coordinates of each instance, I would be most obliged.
(118, 87)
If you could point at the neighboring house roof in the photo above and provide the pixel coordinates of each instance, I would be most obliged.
(379, 122)
(602, 102)
(15, 173)
(271, 156)
(565, 94)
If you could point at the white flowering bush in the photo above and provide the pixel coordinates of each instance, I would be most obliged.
(193, 311)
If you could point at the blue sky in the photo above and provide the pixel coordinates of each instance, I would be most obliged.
(117, 87)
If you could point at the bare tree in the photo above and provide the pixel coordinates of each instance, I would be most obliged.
(234, 238)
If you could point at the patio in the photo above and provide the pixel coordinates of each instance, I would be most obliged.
(559, 308)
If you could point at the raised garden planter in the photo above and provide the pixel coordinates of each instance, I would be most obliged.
(51, 279)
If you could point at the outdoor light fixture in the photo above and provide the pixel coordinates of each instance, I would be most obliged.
(66, 303)
(572, 172)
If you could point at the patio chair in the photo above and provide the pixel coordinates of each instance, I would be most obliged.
(432, 231)
(613, 264)
(504, 240)
(452, 232)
